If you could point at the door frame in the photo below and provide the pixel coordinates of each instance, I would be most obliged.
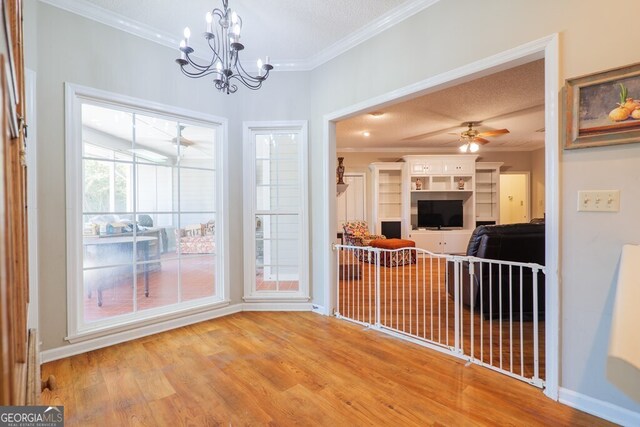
(527, 176)
(548, 48)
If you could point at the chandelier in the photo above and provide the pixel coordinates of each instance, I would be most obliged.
(225, 50)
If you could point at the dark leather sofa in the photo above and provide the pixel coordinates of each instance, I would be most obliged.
(510, 242)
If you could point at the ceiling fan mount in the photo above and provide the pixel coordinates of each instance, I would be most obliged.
(180, 140)
(470, 133)
(472, 139)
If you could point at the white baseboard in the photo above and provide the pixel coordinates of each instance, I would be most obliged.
(119, 337)
(277, 306)
(608, 411)
(319, 309)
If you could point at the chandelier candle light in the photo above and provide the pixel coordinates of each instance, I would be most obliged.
(225, 47)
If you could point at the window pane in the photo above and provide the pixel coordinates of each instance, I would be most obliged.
(155, 188)
(198, 146)
(155, 140)
(263, 172)
(106, 133)
(263, 198)
(287, 226)
(288, 172)
(197, 234)
(288, 198)
(263, 146)
(197, 190)
(198, 277)
(104, 250)
(108, 292)
(162, 284)
(107, 186)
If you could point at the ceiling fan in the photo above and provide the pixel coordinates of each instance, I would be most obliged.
(180, 140)
(472, 139)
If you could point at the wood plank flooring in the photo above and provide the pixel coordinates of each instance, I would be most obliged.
(265, 368)
(414, 300)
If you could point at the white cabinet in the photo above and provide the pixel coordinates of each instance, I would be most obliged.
(458, 166)
(444, 241)
(488, 192)
(426, 166)
(387, 196)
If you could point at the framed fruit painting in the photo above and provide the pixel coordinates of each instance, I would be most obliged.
(603, 108)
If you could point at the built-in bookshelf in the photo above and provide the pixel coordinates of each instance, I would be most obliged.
(488, 192)
(387, 196)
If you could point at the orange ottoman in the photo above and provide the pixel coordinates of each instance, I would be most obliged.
(392, 257)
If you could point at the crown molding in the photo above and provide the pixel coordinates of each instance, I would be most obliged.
(96, 13)
(372, 29)
(112, 19)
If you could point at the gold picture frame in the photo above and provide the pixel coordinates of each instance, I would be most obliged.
(593, 116)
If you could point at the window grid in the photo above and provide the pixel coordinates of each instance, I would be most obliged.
(132, 202)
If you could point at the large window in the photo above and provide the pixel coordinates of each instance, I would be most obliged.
(144, 225)
(276, 247)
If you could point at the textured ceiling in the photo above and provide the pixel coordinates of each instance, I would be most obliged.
(283, 29)
(511, 99)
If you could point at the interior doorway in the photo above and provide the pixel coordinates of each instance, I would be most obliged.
(514, 198)
(547, 48)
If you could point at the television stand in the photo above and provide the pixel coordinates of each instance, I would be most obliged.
(443, 241)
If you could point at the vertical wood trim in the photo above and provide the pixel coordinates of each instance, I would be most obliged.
(14, 285)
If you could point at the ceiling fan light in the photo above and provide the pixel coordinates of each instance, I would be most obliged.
(464, 147)
(473, 147)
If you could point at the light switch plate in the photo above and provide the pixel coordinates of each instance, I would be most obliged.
(599, 201)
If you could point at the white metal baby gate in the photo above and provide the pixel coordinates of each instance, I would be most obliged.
(488, 312)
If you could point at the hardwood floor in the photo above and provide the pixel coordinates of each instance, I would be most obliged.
(414, 300)
(265, 368)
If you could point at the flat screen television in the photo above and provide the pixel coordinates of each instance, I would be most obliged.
(440, 214)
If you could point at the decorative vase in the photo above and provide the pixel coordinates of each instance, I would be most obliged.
(418, 184)
(340, 170)
(461, 184)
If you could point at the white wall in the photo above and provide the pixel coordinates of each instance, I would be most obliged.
(590, 242)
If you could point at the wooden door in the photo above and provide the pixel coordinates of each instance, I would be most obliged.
(13, 220)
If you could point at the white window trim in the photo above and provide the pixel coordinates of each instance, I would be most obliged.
(74, 96)
(249, 190)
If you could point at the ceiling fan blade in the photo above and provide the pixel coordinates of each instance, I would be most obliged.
(183, 141)
(480, 141)
(495, 132)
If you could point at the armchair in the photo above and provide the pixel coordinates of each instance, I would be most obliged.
(356, 233)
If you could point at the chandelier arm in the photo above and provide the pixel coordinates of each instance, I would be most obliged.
(197, 66)
(241, 70)
(251, 84)
(197, 75)
(226, 87)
